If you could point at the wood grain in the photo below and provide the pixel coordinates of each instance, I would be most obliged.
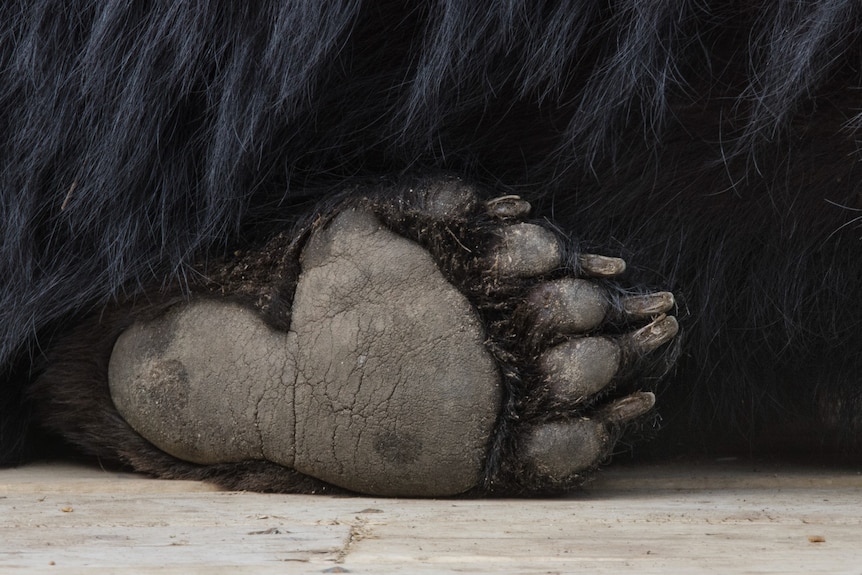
(718, 517)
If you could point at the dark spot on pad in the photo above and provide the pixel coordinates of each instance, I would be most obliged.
(168, 378)
(398, 448)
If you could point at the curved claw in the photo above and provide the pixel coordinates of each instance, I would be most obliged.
(628, 408)
(508, 207)
(648, 305)
(651, 336)
(601, 266)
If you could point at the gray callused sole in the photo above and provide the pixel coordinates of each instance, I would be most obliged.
(210, 382)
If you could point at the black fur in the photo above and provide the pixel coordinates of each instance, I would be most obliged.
(712, 144)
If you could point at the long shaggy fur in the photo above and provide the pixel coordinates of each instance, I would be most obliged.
(713, 144)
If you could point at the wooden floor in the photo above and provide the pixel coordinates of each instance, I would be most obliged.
(718, 517)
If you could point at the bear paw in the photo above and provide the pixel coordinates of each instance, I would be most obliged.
(435, 345)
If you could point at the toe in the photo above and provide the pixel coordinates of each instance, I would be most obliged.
(564, 306)
(525, 250)
(580, 368)
(558, 451)
(444, 200)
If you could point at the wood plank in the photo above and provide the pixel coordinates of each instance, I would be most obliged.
(723, 517)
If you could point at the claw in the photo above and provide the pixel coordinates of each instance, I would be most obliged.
(601, 266)
(648, 305)
(628, 408)
(508, 207)
(652, 336)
